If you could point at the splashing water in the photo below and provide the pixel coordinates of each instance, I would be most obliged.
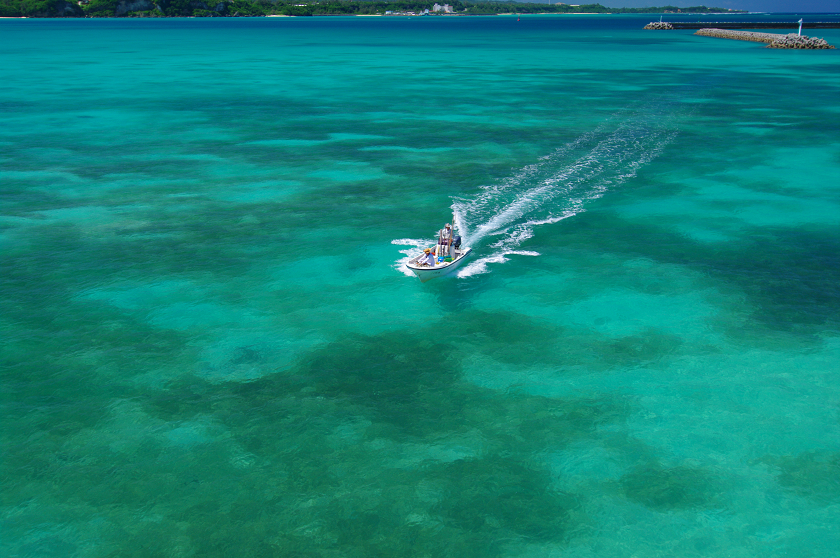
(560, 184)
(417, 245)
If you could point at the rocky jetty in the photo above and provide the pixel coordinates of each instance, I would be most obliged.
(774, 40)
(659, 25)
(793, 40)
(754, 24)
(739, 35)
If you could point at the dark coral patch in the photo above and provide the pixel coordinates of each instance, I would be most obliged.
(665, 489)
(497, 494)
(814, 475)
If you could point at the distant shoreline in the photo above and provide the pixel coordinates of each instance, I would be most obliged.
(365, 15)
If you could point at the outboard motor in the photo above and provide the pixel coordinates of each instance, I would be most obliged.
(456, 241)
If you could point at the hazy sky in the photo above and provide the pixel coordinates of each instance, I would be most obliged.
(750, 5)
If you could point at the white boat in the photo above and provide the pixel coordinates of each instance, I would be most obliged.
(426, 272)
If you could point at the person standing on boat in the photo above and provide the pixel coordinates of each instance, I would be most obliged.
(445, 240)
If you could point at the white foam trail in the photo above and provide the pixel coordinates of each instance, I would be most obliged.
(480, 265)
(410, 241)
(560, 184)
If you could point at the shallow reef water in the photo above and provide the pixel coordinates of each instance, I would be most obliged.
(211, 346)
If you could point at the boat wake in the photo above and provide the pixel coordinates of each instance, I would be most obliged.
(559, 185)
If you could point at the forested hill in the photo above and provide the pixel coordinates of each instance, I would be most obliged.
(251, 8)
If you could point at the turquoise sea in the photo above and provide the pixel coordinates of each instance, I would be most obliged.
(211, 345)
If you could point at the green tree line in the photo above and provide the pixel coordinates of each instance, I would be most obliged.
(227, 8)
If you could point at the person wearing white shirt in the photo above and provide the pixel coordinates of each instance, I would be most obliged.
(445, 239)
(427, 258)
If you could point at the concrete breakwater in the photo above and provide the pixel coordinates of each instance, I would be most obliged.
(739, 35)
(793, 40)
(773, 40)
(659, 25)
(751, 25)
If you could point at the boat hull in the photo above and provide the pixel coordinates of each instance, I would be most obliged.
(425, 273)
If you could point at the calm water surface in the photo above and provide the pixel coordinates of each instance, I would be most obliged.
(211, 346)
